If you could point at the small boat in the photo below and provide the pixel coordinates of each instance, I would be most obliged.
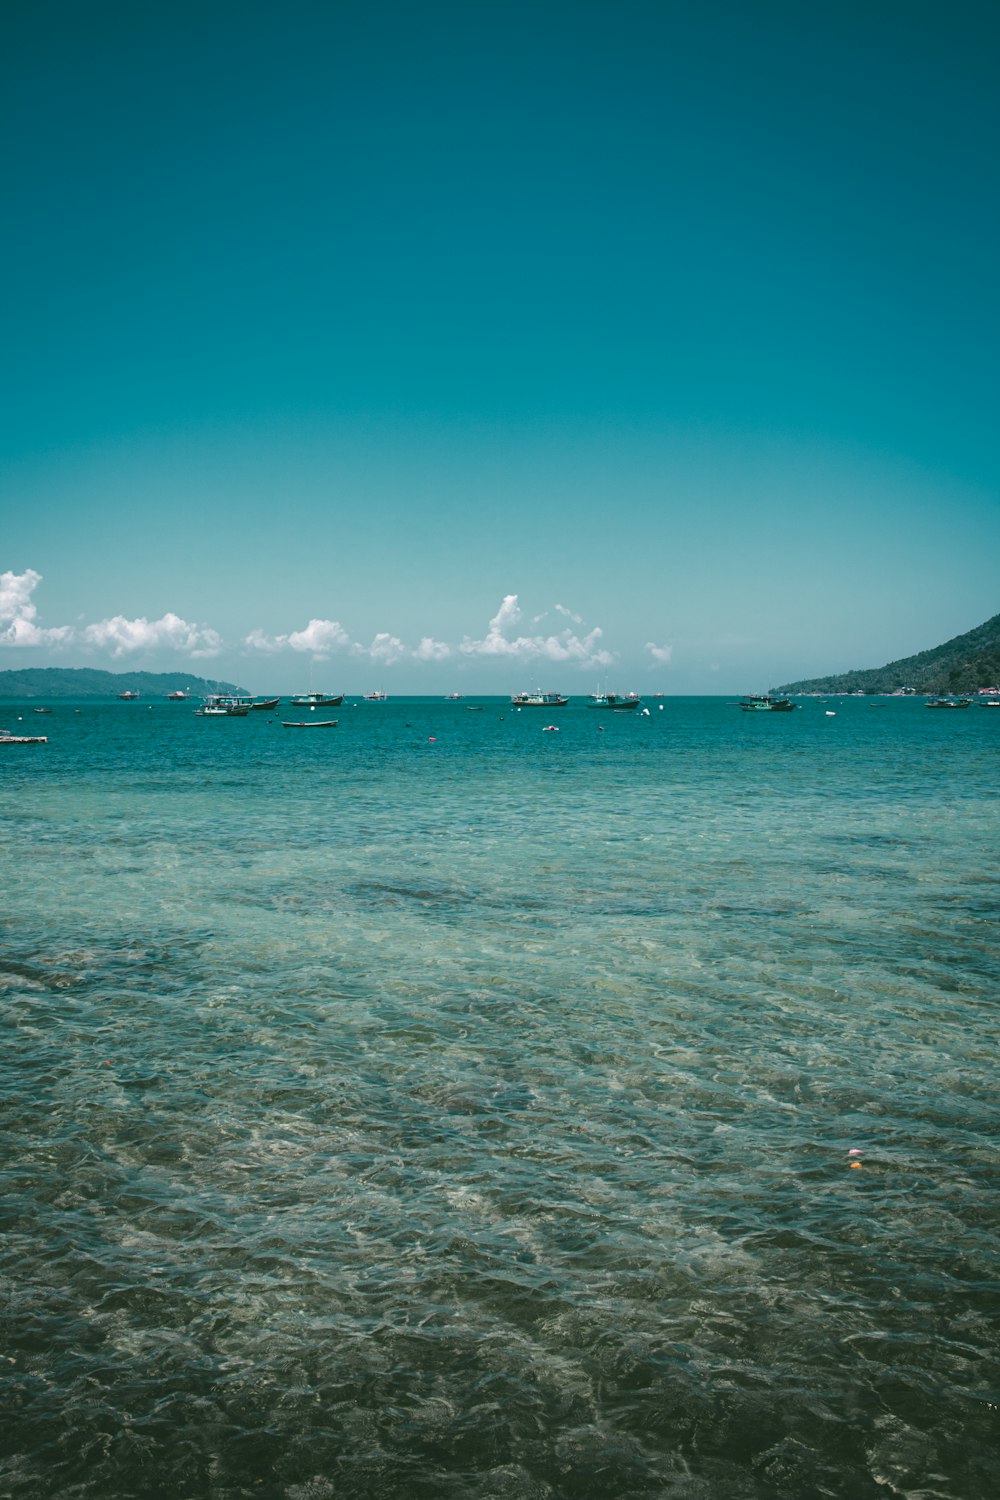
(538, 700)
(454, 697)
(376, 697)
(949, 703)
(222, 706)
(309, 723)
(128, 696)
(265, 703)
(614, 700)
(41, 710)
(6, 738)
(762, 703)
(178, 697)
(315, 700)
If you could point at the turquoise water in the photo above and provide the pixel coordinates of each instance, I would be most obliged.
(435, 1106)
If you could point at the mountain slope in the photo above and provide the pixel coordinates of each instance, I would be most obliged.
(962, 665)
(89, 682)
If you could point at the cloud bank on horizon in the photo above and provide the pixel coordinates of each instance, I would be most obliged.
(118, 636)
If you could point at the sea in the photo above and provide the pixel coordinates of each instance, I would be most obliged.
(447, 1105)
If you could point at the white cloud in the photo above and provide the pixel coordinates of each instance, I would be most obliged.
(566, 646)
(124, 636)
(431, 650)
(385, 648)
(320, 637)
(17, 613)
(569, 615)
(660, 653)
(258, 641)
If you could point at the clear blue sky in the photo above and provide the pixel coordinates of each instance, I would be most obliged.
(677, 322)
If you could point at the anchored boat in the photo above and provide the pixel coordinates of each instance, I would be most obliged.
(614, 700)
(763, 703)
(538, 700)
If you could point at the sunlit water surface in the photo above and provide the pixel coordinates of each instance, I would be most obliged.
(437, 1106)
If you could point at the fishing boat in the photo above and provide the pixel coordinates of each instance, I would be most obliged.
(6, 738)
(315, 700)
(265, 703)
(223, 706)
(614, 700)
(454, 697)
(763, 703)
(309, 723)
(949, 703)
(178, 696)
(538, 700)
(128, 696)
(376, 697)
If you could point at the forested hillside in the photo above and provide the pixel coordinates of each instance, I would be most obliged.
(962, 665)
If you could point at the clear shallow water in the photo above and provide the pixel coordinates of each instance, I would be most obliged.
(388, 1117)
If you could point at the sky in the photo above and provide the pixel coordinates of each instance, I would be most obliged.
(479, 347)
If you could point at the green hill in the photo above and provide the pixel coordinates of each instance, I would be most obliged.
(962, 665)
(88, 682)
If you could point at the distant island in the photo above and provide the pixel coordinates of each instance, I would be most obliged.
(88, 682)
(963, 665)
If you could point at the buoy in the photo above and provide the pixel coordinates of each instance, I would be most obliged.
(432, 739)
(855, 1166)
(855, 1151)
(831, 713)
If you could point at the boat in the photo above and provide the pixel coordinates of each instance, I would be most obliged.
(129, 695)
(309, 723)
(454, 697)
(265, 703)
(41, 710)
(315, 700)
(376, 697)
(949, 703)
(223, 706)
(762, 703)
(614, 700)
(6, 738)
(178, 697)
(538, 700)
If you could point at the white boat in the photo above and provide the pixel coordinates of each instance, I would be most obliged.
(376, 697)
(316, 700)
(538, 700)
(6, 738)
(224, 706)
